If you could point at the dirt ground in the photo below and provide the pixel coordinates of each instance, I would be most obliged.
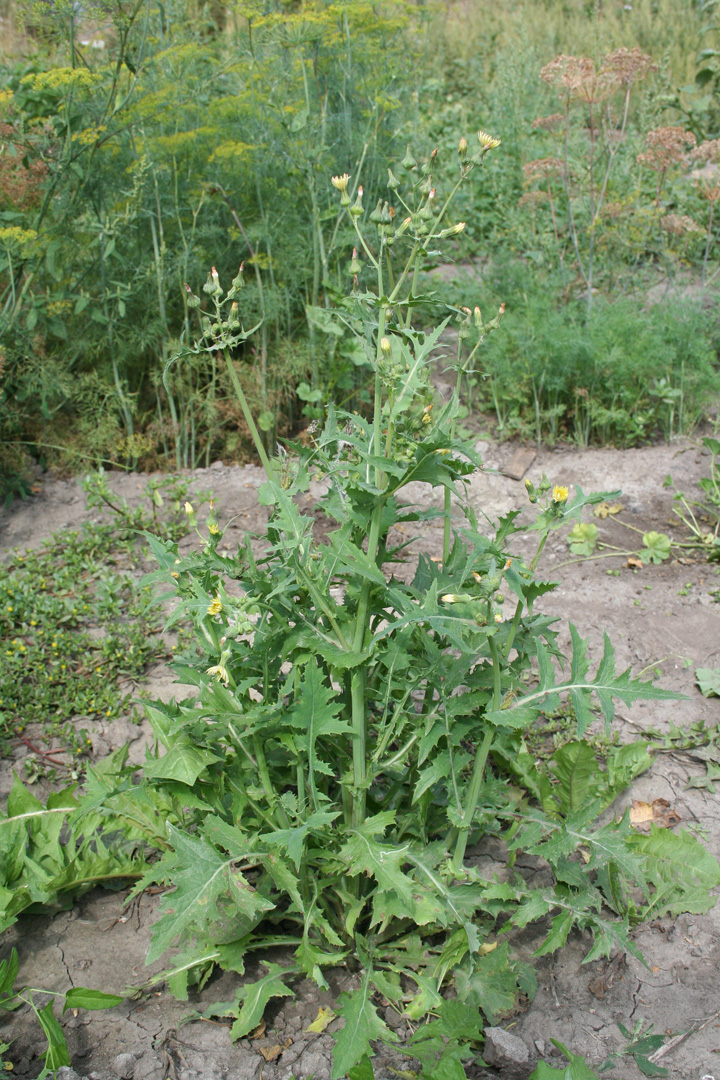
(665, 617)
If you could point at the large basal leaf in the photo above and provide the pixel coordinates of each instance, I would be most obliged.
(201, 876)
(680, 870)
(364, 853)
(362, 1024)
(605, 686)
(183, 762)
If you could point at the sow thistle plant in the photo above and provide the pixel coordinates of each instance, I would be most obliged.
(358, 725)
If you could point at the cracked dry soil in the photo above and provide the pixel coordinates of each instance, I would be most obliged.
(666, 616)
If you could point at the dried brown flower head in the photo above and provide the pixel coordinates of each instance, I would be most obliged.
(548, 123)
(533, 199)
(666, 146)
(707, 151)
(614, 210)
(709, 190)
(629, 65)
(577, 76)
(678, 224)
(542, 169)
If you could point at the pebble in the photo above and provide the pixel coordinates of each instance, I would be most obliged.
(312, 1062)
(124, 1066)
(507, 1052)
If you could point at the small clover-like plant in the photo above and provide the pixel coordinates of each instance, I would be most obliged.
(656, 547)
(582, 538)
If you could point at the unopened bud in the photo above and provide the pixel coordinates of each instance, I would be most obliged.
(462, 147)
(193, 301)
(453, 230)
(478, 318)
(357, 207)
(238, 281)
(385, 345)
(404, 226)
(408, 162)
(393, 182)
(355, 264)
(376, 216)
(234, 318)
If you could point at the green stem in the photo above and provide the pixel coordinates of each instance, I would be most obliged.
(264, 774)
(259, 446)
(479, 767)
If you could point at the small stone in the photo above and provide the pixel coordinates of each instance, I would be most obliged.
(66, 1073)
(217, 465)
(507, 1052)
(244, 1067)
(312, 1062)
(149, 1067)
(124, 1066)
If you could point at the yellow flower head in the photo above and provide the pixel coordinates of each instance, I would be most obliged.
(487, 142)
(559, 494)
(221, 671)
(340, 182)
(216, 607)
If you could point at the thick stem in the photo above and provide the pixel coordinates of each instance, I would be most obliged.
(479, 767)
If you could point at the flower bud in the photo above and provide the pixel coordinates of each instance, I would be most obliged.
(408, 162)
(234, 318)
(478, 318)
(530, 487)
(355, 264)
(212, 285)
(376, 216)
(393, 182)
(238, 282)
(385, 345)
(403, 227)
(453, 230)
(462, 147)
(193, 301)
(357, 207)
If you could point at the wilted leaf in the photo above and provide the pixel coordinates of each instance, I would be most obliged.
(270, 1053)
(321, 1021)
(658, 812)
(708, 679)
(634, 563)
(606, 509)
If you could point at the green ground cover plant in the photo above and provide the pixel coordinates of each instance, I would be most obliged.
(356, 724)
(75, 623)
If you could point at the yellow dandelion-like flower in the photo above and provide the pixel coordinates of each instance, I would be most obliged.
(488, 142)
(340, 182)
(559, 494)
(213, 529)
(216, 607)
(221, 671)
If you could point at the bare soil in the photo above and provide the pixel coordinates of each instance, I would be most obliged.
(663, 617)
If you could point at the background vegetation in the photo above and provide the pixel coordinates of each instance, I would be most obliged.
(142, 143)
